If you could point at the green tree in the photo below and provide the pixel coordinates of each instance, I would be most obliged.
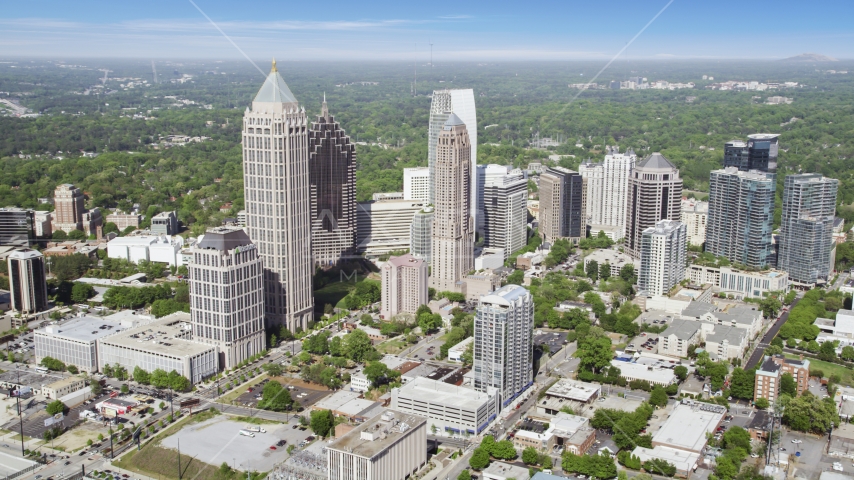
(141, 376)
(275, 398)
(76, 235)
(479, 459)
(658, 397)
(681, 372)
(770, 306)
(322, 421)
(53, 364)
(273, 369)
(82, 292)
(125, 389)
(741, 384)
(827, 352)
(788, 385)
(504, 450)
(530, 456)
(358, 347)
(72, 369)
(605, 271)
(55, 407)
(847, 353)
(808, 413)
(594, 352)
(761, 403)
(592, 270)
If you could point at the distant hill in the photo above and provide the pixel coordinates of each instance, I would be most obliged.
(810, 57)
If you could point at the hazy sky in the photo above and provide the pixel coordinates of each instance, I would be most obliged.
(399, 30)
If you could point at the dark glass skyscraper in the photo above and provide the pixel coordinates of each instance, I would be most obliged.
(332, 180)
(758, 153)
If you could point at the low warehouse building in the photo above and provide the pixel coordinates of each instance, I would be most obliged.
(688, 426)
(684, 461)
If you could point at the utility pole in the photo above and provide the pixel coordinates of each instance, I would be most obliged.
(179, 459)
(21, 419)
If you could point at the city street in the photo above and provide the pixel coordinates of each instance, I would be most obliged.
(759, 352)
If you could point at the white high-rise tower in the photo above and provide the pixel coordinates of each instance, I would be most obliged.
(607, 188)
(278, 201)
(445, 102)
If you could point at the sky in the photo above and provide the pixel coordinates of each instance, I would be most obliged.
(488, 31)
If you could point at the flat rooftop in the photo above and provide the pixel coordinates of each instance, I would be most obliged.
(687, 426)
(164, 336)
(380, 432)
(439, 392)
(82, 329)
(506, 470)
(645, 372)
(336, 400)
(573, 390)
(29, 378)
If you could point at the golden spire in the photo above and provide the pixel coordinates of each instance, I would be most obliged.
(274, 69)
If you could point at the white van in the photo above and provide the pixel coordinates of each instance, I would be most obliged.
(247, 433)
(256, 429)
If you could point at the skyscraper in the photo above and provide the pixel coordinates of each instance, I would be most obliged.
(505, 211)
(17, 226)
(655, 193)
(806, 227)
(68, 203)
(663, 251)
(421, 234)
(562, 205)
(741, 212)
(404, 285)
(452, 252)
(503, 344)
(607, 189)
(416, 183)
(482, 174)
(27, 281)
(759, 152)
(278, 201)
(445, 102)
(227, 295)
(332, 180)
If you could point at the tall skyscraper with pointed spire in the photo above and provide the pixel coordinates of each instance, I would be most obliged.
(276, 194)
(452, 252)
(332, 180)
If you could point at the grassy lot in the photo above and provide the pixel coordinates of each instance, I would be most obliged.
(392, 347)
(156, 461)
(256, 421)
(334, 293)
(845, 374)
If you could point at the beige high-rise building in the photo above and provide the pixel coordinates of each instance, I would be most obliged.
(68, 214)
(655, 193)
(278, 201)
(606, 188)
(404, 285)
(226, 295)
(452, 252)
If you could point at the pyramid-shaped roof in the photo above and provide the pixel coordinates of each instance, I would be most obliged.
(656, 160)
(452, 121)
(275, 90)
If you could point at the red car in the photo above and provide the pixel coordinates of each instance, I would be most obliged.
(272, 447)
(250, 390)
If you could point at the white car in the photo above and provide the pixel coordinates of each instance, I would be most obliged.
(796, 441)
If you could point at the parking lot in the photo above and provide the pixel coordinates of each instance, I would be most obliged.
(218, 440)
(555, 340)
(299, 392)
(430, 349)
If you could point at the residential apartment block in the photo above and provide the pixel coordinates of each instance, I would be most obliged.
(404, 285)
(662, 254)
(806, 242)
(695, 215)
(505, 211)
(607, 185)
(503, 344)
(416, 183)
(740, 283)
(767, 381)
